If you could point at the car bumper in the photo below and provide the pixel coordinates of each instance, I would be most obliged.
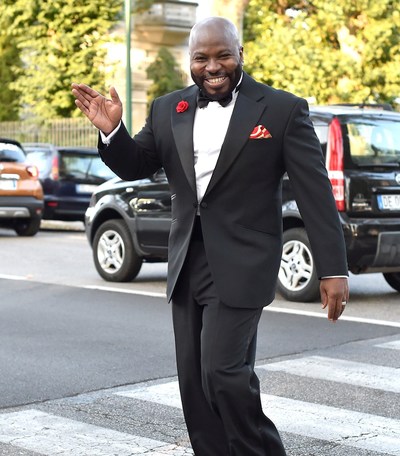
(20, 207)
(373, 245)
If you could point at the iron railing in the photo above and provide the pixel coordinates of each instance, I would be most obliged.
(60, 132)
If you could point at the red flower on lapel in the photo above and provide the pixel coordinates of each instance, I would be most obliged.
(260, 132)
(182, 106)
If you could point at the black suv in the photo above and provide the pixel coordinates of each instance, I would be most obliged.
(128, 222)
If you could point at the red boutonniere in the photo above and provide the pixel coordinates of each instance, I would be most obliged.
(182, 106)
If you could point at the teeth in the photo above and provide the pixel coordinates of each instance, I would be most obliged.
(216, 80)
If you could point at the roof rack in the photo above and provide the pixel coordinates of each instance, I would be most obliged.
(384, 106)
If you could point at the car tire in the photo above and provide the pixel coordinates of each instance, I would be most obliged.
(393, 279)
(27, 227)
(297, 279)
(114, 254)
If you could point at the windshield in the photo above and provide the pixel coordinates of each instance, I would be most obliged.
(374, 141)
(11, 153)
(84, 166)
(39, 157)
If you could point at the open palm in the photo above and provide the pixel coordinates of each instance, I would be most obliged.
(104, 113)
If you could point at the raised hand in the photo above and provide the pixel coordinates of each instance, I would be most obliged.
(104, 113)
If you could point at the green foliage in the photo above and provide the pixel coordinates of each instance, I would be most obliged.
(61, 41)
(165, 74)
(333, 51)
(9, 63)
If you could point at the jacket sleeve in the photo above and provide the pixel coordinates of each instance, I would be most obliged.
(132, 158)
(313, 192)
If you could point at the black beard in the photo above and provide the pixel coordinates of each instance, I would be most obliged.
(219, 96)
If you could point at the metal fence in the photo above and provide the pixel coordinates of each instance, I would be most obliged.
(60, 132)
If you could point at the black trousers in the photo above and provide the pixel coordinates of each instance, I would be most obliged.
(215, 351)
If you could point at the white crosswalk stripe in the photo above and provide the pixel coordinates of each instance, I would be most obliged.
(349, 428)
(53, 435)
(48, 434)
(340, 370)
(394, 345)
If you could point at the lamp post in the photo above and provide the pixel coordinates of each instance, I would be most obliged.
(128, 75)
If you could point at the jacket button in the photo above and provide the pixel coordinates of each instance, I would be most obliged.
(195, 204)
(203, 204)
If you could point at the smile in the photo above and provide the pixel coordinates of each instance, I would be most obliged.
(216, 81)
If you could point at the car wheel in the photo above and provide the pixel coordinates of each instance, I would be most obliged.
(297, 279)
(27, 227)
(114, 254)
(393, 279)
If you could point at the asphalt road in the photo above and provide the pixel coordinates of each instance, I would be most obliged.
(94, 361)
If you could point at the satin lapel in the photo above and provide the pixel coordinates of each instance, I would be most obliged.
(182, 128)
(245, 117)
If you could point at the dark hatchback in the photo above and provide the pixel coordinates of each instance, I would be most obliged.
(69, 175)
(128, 222)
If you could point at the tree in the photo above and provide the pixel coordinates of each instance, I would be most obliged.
(165, 74)
(339, 51)
(10, 63)
(60, 41)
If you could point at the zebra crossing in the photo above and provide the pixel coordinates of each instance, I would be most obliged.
(105, 424)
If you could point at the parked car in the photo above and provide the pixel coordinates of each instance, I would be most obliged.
(68, 176)
(128, 222)
(21, 194)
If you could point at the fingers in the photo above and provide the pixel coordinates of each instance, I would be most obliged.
(83, 94)
(334, 296)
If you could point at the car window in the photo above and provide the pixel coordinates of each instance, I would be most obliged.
(39, 158)
(11, 153)
(84, 166)
(374, 141)
(321, 131)
(99, 169)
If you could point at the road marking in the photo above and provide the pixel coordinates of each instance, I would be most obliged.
(344, 427)
(308, 313)
(13, 277)
(393, 345)
(123, 290)
(270, 308)
(49, 434)
(340, 370)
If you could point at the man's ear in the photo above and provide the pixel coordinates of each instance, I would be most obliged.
(241, 55)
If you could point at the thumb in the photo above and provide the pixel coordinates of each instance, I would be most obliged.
(324, 296)
(114, 95)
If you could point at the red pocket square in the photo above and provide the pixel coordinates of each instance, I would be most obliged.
(260, 132)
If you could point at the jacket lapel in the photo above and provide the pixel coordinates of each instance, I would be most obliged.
(182, 128)
(246, 114)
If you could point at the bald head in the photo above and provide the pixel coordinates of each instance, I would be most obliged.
(216, 57)
(210, 28)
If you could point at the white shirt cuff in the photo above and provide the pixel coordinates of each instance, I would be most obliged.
(107, 139)
(335, 277)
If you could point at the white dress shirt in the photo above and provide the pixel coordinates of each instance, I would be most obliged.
(209, 131)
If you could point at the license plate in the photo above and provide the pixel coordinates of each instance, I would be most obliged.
(8, 184)
(389, 202)
(85, 188)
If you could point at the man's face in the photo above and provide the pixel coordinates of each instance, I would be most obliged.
(215, 62)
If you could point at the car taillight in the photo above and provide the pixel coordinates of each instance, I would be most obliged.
(33, 171)
(334, 163)
(54, 168)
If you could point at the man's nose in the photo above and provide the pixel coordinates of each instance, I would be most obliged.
(213, 66)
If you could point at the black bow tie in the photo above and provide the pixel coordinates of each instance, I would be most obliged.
(203, 100)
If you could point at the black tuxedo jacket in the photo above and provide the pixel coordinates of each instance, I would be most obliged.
(241, 209)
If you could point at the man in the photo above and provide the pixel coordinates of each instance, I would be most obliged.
(225, 163)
